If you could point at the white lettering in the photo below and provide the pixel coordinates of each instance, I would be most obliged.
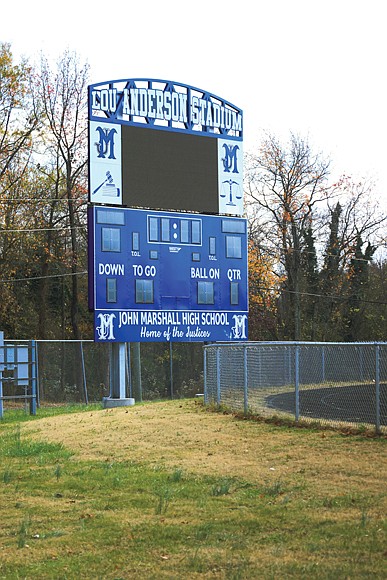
(143, 109)
(233, 274)
(137, 270)
(134, 101)
(209, 114)
(149, 271)
(160, 317)
(159, 104)
(111, 269)
(127, 318)
(144, 333)
(197, 333)
(94, 103)
(125, 105)
(190, 318)
(214, 318)
(104, 100)
(199, 273)
(175, 106)
(169, 105)
(151, 111)
(195, 110)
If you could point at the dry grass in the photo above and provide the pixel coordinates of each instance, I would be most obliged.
(183, 434)
(171, 490)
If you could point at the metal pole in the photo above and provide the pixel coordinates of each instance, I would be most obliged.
(204, 377)
(377, 388)
(2, 360)
(323, 364)
(245, 371)
(137, 371)
(37, 374)
(218, 375)
(297, 383)
(33, 378)
(128, 369)
(111, 370)
(171, 367)
(84, 375)
(1, 382)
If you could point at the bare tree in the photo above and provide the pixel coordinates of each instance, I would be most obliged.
(19, 118)
(286, 182)
(63, 93)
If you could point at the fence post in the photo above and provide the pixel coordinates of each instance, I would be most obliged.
(2, 358)
(128, 368)
(218, 375)
(377, 388)
(205, 377)
(84, 375)
(37, 374)
(297, 383)
(246, 402)
(323, 363)
(171, 367)
(33, 378)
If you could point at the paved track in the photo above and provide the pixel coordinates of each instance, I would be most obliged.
(355, 404)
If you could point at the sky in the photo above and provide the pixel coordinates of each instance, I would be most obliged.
(316, 68)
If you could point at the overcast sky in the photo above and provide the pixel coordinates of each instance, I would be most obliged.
(314, 67)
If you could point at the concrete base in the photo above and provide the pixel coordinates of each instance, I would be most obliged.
(109, 403)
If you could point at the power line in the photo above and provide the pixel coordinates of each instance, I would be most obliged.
(33, 199)
(43, 229)
(278, 290)
(43, 277)
(329, 296)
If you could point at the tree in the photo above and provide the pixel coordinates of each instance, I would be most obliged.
(63, 94)
(19, 118)
(287, 182)
(358, 278)
(355, 226)
(311, 287)
(19, 122)
(264, 290)
(331, 277)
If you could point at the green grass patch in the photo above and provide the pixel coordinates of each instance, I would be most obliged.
(20, 415)
(63, 517)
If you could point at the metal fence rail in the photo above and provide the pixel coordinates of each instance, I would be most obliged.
(338, 384)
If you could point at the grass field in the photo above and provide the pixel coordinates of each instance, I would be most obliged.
(171, 490)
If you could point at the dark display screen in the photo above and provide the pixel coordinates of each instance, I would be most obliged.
(169, 170)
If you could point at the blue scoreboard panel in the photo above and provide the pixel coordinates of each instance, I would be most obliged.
(167, 276)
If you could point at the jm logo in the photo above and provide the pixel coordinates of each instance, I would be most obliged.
(239, 328)
(230, 160)
(106, 142)
(105, 329)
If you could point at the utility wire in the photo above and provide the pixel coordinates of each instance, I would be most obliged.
(265, 288)
(43, 229)
(11, 280)
(330, 296)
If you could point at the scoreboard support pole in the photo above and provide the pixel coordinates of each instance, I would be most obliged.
(118, 374)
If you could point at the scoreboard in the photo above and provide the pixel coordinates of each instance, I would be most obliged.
(167, 276)
(176, 271)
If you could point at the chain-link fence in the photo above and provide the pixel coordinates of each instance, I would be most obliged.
(339, 384)
(81, 372)
(329, 383)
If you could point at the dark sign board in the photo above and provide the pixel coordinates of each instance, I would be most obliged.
(165, 170)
